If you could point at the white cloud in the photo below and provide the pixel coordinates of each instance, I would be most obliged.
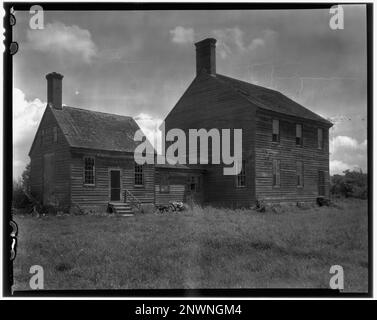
(231, 40)
(59, 39)
(26, 117)
(338, 167)
(257, 42)
(344, 142)
(182, 35)
(347, 153)
(150, 127)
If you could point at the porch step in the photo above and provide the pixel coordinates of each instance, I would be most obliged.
(122, 208)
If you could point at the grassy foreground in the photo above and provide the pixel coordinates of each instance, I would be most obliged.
(201, 248)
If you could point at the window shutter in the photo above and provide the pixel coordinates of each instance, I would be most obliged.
(320, 138)
(275, 126)
(298, 130)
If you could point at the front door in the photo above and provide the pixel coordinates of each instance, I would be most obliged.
(114, 185)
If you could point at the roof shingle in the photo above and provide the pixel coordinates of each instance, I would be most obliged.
(97, 130)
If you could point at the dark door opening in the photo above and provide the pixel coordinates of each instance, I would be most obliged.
(114, 185)
(194, 189)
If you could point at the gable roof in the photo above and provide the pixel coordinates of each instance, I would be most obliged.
(269, 99)
(97, 130)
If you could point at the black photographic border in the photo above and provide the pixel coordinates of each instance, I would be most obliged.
(183, 293)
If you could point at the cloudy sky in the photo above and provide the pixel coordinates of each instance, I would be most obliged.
(140, 63)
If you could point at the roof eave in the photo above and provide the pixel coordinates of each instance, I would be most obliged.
(321, 121)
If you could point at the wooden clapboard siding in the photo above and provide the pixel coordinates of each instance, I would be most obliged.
(99, 194)
(288, 153)
(177, 186)
(176, 193)
(145, 194)
(209, 104)
(60, 149)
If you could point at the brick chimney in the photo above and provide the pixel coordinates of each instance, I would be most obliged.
(54, 90)
(206, 56)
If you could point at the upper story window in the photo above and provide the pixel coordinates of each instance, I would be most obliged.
(139, 175)
(164, 183)
(275, 130)
(300, 173)
(320, 138)
(276, 173)
(241, 177)
(298, 134)
(89, 170)
(55, 134)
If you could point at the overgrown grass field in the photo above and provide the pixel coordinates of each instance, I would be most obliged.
(200, 248)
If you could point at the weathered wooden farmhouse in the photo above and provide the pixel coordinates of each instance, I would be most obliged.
(285, 145)
(85, 159)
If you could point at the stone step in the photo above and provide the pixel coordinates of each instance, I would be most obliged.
(119, 203)
(124, 212)
(121, 208)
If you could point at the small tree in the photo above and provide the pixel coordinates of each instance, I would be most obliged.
(19, 198)
(21, 188)
(352, 184)
(25, 178)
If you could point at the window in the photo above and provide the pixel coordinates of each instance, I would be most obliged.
(275, 130)
(320, 138)
(298, 134)
(241, 177)
(300, 173)
(55, 134)
(276, 173)
(139, 175)
(164, 183)
(89, 170)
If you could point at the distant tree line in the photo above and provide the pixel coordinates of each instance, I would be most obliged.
(352, 184)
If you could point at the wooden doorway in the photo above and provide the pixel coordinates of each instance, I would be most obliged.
(115, 185)
(194, 189)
